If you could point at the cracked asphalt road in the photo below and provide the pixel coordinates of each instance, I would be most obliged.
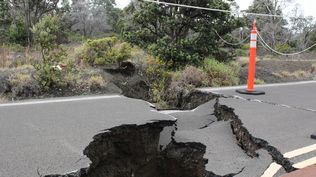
(285, 116)
(50, 135)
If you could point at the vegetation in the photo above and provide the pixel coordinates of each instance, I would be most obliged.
(105, 51)
(179, 36)
(61, 47)
(220, 73)
(45, 35)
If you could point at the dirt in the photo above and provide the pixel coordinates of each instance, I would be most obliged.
(270, 71)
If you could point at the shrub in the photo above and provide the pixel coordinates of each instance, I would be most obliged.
(259, 82)
(96, 82)
(242, 53)
(105, 51)
(191, 76)
(23, 85)
(159, 88)
(220, 74)
(159, 80)
(284, 48)
(17, 32)
(45, 34)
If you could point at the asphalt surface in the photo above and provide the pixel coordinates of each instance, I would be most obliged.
(48, 136)
(285, 117)
(300, 94)
(223, 154)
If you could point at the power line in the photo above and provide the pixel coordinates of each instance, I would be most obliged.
(281, 53)
(211, 9)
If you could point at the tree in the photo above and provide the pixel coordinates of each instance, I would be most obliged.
(303, 29)
(5, 19)
(45, 35)
(273, 29)
(32, 11)
(92, 17)
(179, 35)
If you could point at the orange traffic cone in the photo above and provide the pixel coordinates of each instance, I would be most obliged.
(252, 65)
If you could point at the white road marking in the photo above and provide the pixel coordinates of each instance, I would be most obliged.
(301, 151)
(274, 167)
(60, 100)
(306, 163)
(257, 86)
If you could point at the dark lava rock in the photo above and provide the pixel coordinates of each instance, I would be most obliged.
(126, 68)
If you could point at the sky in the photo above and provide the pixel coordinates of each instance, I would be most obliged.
(308, 6)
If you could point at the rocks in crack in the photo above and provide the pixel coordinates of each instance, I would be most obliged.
(245, 140)
(276, 155)
(183, 160)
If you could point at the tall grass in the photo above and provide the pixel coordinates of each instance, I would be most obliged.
(4, 57)
(12, 56)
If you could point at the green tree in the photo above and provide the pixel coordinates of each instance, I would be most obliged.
(179, 35)
(32, 11)
(5, 19)
(45, 35)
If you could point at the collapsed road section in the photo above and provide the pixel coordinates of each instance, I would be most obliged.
(210, 140)
(215, 139)
(131, 150)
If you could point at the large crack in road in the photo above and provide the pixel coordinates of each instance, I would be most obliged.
(137, 150)
(246, 141)
(134, 151)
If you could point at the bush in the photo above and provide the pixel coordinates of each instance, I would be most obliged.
(259, 82)
(45, 34)
(105, 51)
(159, 80)
(183, 82)
(284, 48)
(17, 32)
(96, 82)
(23, 84)
(191, 76)
(220, 74)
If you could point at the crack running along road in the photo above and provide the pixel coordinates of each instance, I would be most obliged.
(274, 167)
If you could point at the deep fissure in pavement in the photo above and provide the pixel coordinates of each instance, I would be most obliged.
(134, 151)
(246, 141)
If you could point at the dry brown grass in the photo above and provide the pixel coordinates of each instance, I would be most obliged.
(297, 74)
(12, 58)
(314, 68)
(4, 57)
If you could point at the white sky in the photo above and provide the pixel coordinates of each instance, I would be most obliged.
(306, 5)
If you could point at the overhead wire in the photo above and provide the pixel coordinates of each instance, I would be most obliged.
(212, 9)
